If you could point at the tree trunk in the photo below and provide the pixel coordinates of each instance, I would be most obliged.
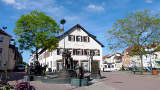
(141, 58)
(36, 54)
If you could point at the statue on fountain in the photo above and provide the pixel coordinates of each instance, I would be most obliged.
(68, 60)
(36, 69)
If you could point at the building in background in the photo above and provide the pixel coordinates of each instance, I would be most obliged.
(77, 41)
(112, 62)
(148, 59)
(9, 54)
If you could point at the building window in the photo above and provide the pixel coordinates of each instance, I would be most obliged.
(96, 52)
(78, 38)
(85, 39)
(70, 51)
(59, 51)
(1, 39)
(71, 38)
(92, 52)
(78, 52)
(86, 52)
(0, 50)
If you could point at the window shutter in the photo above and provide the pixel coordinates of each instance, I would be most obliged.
(68, 37)
(98, 53)
(88, 39)
(81, 39)
(58, 51)
(82, 51)
(73, 51)
(73, 38)
(76, 38)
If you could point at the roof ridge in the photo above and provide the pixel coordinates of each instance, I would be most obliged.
(4, 33)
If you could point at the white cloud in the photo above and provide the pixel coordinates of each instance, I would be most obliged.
(9, 1)
(149, 1)
(92, 7)
(50, 7)
(30, 4)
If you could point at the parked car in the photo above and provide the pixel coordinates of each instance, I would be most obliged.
(20, 67)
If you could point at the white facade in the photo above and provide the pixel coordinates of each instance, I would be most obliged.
(147, 60)
(112, 62)
(54, 61)
(151, 59)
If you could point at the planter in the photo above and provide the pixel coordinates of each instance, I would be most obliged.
(154, 72)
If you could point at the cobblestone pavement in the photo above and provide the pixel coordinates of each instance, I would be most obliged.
(128, 81)
(112, 81)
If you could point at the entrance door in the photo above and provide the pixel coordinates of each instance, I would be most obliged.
(94, 67)
(59, 66)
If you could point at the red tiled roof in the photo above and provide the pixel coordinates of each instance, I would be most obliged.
(4, 33)
(104, 57)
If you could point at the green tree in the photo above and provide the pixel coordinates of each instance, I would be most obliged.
(137, 30)
(35, 31)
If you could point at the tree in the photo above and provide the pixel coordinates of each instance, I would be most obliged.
(25, 63)
(137, 30)
(35, 31)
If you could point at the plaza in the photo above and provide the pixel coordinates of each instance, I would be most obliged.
(121, 80)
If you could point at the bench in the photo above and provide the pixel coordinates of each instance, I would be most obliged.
(138, 69)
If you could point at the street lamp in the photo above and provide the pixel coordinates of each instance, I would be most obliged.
(63, 21)
(91, 59)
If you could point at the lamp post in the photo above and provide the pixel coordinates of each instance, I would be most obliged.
(91, 59)
(63, 21)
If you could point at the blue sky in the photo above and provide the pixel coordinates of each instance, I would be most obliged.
(96, 16)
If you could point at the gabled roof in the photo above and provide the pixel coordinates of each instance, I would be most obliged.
(4, 33)
(79, 26)
(70, 31)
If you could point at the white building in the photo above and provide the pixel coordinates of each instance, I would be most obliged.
(147, 59)
(80, 43)
(153, 59)
(112, 62)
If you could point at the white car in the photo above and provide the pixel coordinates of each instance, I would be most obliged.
(108, 69)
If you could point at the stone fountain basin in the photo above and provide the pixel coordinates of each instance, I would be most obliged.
(53, 79)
